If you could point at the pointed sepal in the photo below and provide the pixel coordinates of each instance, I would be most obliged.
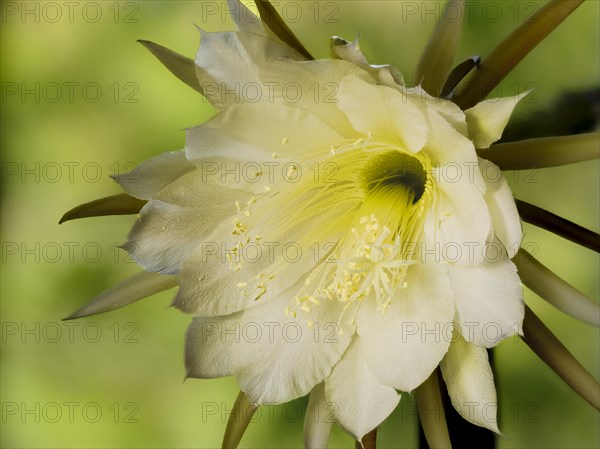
(241, 415)
(553, 353)
(181, 66)
(543, 152)
(318, 421)
(121, 204)
(138, 286)
(512, 50)
(438, 56)
(555, 290)
(277, 25)
(428, 397)
(544, 219)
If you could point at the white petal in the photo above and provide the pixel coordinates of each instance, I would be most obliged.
(458, 226)
(487, 120)
(152, 175)
(185, 213)
(489, 299)
(278, 357)
(350, 51)
(459, 223)
(245, 19)
(383, 111)
(404, 345)
(446, 141)
(278, 259)
(313, 86)
(318, 420)
(229, 63)
(470, 381)
(251, 133)
(208, 353)
(214, 284)
(360, 402)
(503, 210)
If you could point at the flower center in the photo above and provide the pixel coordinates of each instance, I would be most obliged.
(395, 171)
(374, 253)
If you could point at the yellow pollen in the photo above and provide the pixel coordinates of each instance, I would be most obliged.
(291, 170)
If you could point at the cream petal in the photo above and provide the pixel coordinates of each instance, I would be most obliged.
(165, 234)
(447, 142)
(208, 353)
(145, 180)
(228, 65)
(350, 51)
(470, 381)
(253, 132)
(459, 225)
(489, 299)
(279, 357)
(262, 270)
(503, 210)
(318, 420)
(405, 344)
(487, 119)
(245, 19)
(360, 402)
(446, 109)
(383, 111)
(254, 258)
(183, 214)
(313, 86)
(195, 190)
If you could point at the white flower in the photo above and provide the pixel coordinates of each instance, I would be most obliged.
(331, 226)
(334, 231)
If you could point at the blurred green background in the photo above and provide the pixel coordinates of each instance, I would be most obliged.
(81, 100)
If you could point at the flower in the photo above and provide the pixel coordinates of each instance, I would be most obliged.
(333, 230)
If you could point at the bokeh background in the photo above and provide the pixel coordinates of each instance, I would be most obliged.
(81, 101)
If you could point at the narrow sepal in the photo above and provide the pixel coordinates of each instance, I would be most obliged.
(241, 415)
(457, 75)
(180, 66)
(121, 204)
(436, 60)
(317, 422)
(277, 25)
(555, 290)
(554, 354)
(138, 286)
(543, 152)
(512, 50)
(560, 226)
(431, 413)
